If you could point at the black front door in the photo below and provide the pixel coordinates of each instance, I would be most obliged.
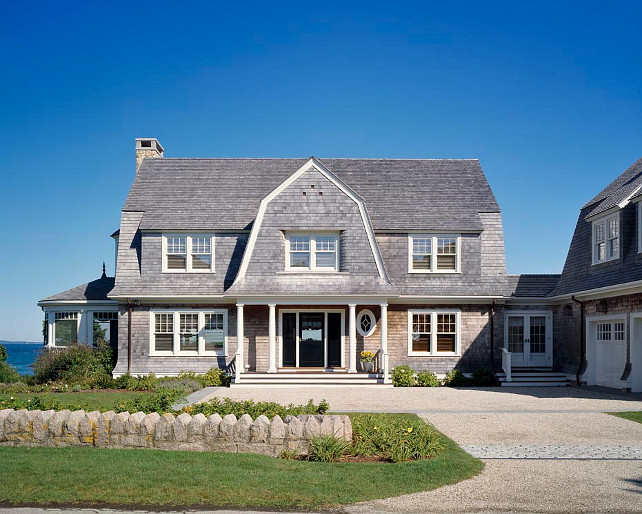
(311, 340)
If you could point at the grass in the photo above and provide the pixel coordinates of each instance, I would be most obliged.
(630, 415)
(102, 400)
(158, 479)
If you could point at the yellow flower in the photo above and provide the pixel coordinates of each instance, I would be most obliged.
(409, 429)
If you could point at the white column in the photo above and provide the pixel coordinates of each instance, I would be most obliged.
(51, 322)
(384, 341)
(272, 339)
(352, 339)
(240, 361)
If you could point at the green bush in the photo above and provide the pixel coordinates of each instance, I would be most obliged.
(403, 376)
(327, 448)
(394, 438)
(77, 364)
(8, 374)
(456, 378)
(185, 385)
(483, 378)
(160, 402)
(216, 377)
(226, 406)
(42, 402)
(427, 379)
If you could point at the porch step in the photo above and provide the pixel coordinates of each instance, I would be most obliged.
(533, 377)
(310, 379)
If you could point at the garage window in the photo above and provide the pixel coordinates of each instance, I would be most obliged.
(603, 331)
(618, 331)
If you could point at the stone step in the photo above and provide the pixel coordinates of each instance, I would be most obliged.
(533, 384)
(309, 379)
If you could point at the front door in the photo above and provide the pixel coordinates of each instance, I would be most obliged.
(528, 338)
(311, 331)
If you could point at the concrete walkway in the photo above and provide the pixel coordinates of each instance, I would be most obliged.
(516, 423)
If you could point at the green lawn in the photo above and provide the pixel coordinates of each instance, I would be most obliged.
(93, 400)
(160, 479)
(630, 415)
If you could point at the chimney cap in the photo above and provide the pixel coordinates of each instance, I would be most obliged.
(149, 142)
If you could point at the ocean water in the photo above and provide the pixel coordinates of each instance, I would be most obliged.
(22, 355)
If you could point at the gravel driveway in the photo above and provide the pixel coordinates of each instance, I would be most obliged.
(545, 449)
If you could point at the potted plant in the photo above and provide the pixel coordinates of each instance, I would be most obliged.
(367, 361)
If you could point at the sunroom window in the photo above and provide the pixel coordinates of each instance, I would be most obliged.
(606, 239)
(312, 252)
(66, 328)
(188, 253)
(433, 254)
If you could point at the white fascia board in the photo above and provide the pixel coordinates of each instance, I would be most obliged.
(62, 303)
(311, 163)
(627, 200)
(313, 300)
(603, 292)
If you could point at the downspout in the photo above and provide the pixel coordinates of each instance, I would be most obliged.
(129, 336)
(580, 369)
(491, 313)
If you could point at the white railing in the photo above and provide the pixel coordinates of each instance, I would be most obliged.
(507, 364)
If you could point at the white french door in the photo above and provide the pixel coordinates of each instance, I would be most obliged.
(528, 336)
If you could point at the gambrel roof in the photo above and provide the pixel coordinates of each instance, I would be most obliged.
(224, 194)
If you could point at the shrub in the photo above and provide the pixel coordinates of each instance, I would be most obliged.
(42, 402)
(395, 438)
(216, 377)
(160, 402)
(403, 376)
(8, 374)
(456, 378)
(427, 379)
(185, 385)
(483, 378)
(327, 448)
(78, 363)
(226, 406)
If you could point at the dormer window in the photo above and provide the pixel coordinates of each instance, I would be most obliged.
(433, 253)
(312, 252)
(606, 238)
(188, 253)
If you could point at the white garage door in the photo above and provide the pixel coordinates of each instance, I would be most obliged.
(610, 352)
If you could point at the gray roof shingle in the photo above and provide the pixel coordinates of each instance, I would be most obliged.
(91, 291)
(628, 183)
(531, 286)
(224, 194)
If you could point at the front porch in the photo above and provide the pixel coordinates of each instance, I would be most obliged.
(314, 344)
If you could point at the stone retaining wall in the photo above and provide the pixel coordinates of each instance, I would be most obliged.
(168, 432)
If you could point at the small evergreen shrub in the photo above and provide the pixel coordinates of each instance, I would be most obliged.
(456, 378)
(8, 374)
(483, 378)
(216, 377)
(427, 379)
(403, 376)
(226, 406)
(160, 402)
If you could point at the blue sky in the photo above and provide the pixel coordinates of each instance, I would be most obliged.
(546, 94)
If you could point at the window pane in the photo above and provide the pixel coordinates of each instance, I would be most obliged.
(599, 232)
(421, 323)
(201, 261)
(164, 332)
(326, 260)
(326, 243)
(446, 343)
(614, 247)
(213, 332)
(176, 245)
(176, 261)
(446, 262)
(201, 245)
(421, 342)
(421, 262)
(163, 342)
(613, 228)
(601, 252)
(299, 259)
(189, 332)
(446, 246)
(421, 245)
(66, 331)
(299, 243)
(516, 334)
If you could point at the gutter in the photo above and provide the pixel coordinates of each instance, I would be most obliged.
(582, 366)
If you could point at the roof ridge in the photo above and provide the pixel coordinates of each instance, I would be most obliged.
(304, 158)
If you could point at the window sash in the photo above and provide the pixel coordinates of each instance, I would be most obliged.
(311, 252)
(188, 253)
(433, 333)
(606, 239)
(188, 332)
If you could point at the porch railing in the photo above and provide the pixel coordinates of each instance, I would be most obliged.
(507, 364)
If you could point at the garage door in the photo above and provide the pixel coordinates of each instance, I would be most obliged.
(610, 352)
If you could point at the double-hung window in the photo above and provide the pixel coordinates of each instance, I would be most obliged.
(312, 252)
(188, 253)
(433, 254)
(66, 328)
(188, 332)
(606, 238)
(433, 333)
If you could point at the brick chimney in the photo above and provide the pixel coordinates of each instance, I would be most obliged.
(147, 147)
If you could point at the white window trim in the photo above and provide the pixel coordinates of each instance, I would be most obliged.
(605, 220)
(188, 248)
(176, 340)
(361, 314)
(313, 267)
(433, 255)
(433, 333)
(52, 326)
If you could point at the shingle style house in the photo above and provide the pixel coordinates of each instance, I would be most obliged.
(308, 262)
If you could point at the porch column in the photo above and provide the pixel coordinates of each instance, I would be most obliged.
(384, 342)
(272, 340)
(352, 338)
(240, 361)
